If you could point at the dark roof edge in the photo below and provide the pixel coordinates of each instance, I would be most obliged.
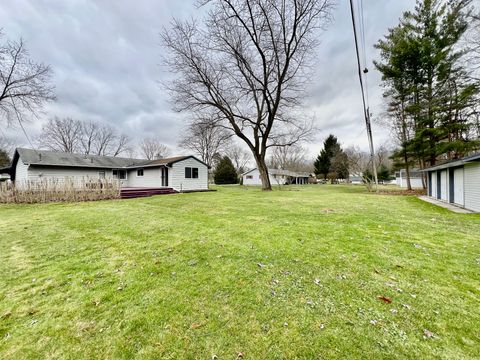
(454, 163)
(188, 157)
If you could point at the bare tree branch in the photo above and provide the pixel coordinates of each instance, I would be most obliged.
(152, 149)
(24, 84)
(205, 139)
(248, 64)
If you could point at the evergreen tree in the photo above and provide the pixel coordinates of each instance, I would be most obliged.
(430, 95)
(225, 172)
(4, 158)
(324, 160)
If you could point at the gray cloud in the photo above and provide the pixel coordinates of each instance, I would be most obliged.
(106, 55)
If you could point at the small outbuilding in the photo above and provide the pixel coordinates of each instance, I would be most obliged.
(277, 176)
(456, 182)
(416, 178)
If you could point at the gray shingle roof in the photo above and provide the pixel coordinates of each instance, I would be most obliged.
(57, 158)
(54, 158)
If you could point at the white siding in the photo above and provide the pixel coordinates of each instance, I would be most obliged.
(152, 177)
(472, 186)
(416, 183)
(458, 188)
(443, 185)
(36, 173)
(177, 178)
(21, 172)
(255, 180)
(434, 184)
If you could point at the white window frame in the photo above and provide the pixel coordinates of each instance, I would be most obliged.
(143, 172)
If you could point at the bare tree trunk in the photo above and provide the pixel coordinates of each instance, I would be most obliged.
(262, 168)
(407, 170)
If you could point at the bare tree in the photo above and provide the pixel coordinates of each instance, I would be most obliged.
(89, 136)
(290, 158)
(152, 149)
(121, 145)
(71, 136)
(24, 84)
(239, 157)
(106, 141)
(358, 160)
(61, 135)
(248, 65)
(205, 139)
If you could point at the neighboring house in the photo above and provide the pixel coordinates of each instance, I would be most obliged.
(416, 178)
(456, 182)
(277, 176)
(181, 173)
(356, 178)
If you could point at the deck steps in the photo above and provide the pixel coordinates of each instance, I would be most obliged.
(130, 193)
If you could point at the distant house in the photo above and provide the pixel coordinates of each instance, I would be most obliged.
(416, 178)
(277, 176)
(181, 173)
(356, 178)
(456, 182)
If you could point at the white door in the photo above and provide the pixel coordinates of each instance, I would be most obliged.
(434, 184)
(458, 186)
(443, 185)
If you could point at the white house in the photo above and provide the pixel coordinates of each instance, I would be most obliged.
(416, 178)
(456, 182)
(277, 176)
(181, 173)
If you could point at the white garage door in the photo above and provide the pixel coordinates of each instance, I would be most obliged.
(458, 186)
(434, 184)
(472, 187)
(443, 185)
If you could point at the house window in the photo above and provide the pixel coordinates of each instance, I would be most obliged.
(140, 172)
(101, 174)
(191, 173)
(120, 174)
(249, 177)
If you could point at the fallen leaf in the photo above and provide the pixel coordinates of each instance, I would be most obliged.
(240, 355)
(260, 265)
(385, 299)
(427, 334)
(376, 271)
(196, 326)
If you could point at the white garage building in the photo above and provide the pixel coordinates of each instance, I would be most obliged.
(456, 182)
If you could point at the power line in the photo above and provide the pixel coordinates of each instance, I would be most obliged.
(366, 110)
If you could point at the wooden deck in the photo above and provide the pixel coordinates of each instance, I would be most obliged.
(135, 192)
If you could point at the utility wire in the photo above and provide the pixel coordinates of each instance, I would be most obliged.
(365, 108)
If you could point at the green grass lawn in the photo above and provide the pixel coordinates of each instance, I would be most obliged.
(288, 274)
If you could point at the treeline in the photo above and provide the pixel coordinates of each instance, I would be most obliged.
(334, 163)
(430, 86)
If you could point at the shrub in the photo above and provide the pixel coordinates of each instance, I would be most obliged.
(56, 190)
(225, 173)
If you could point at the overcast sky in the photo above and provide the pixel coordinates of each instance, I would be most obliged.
(106, 55)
